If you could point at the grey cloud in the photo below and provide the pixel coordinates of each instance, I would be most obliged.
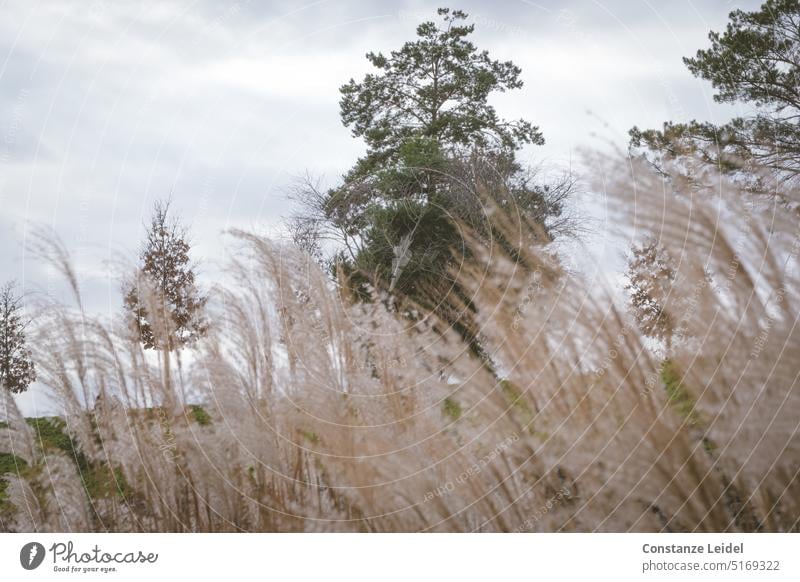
(110, 106)
(106, 106)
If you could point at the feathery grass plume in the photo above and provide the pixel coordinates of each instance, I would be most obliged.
(26, 514)
(304, 411)
(65, 506)
(17, 453)
(736, 308)
(16, 437)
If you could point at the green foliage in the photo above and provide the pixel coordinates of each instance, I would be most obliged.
(678, 395)
(427, 104)
(451, 408)
(9, 464)
(98, 478)
(438, 158)
(518, 403)
(754, 61)
(310, 436)
(423, 261)
(436, 86)
(102, 481)
(50, 433)
(199, 415)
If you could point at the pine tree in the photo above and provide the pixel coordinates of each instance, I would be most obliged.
(755, 62)
(438, 157)
(433, 93)
(166, 306)
(434, 142)
(17, 370)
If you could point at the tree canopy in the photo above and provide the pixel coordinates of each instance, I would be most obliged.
(755, 61)
(438, 157)
(433, 140)
(434, 89)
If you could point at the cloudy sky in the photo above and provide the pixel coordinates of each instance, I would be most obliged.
(106, 106)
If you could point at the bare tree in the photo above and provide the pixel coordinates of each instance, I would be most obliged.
(324, 224)
(17, 369)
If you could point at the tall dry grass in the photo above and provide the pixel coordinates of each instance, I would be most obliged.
(323, 415)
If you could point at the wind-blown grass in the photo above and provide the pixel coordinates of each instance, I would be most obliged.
(303, 411)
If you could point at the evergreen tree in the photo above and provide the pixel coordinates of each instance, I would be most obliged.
(432, 95)
(755, 61)
(438, 155)
(426, 105)
(433, 142)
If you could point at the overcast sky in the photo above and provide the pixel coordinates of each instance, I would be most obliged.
(106, 106)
